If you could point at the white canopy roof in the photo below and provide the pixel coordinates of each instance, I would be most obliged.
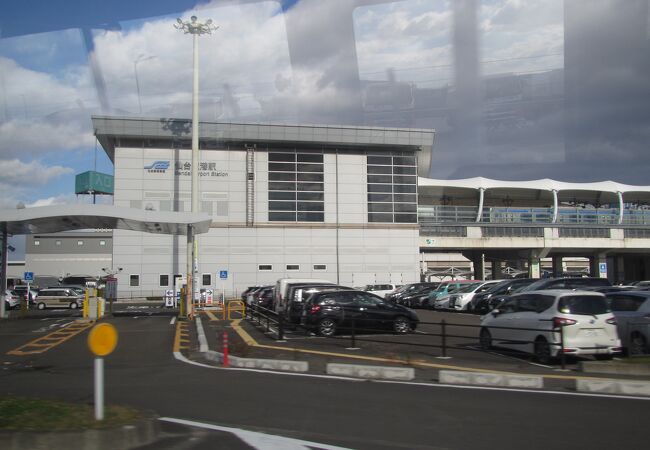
(52, 219)
(531, 192)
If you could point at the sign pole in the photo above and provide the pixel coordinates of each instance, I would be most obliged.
(102, 340)
(99, 388)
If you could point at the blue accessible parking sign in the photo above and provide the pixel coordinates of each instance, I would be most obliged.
(223, 274)
(28, 276)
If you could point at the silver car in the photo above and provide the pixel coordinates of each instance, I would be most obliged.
(59, 298)
(632, 311)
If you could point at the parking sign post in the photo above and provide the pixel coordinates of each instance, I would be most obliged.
(101, 341)
(29, 278)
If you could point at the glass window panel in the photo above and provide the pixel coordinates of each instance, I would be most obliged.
(293, 266)
(404, 188)
(318, 187)
(265, 267)
(282, 195)
(282, 156)
(282, 216)
(282, 206)
(282, 167)
(278, 186)
(380, 207)
(311, 217)
(381, 160)
(310, 158)
(310, 168)
(379, 188)
(404, 160)
(282, 176)
(404, 170)
(311, 177)
(378, 217)
(380, 179)
(320, 266)
(380, 169)
(406, 198)
(380, 197)
(406, 207)
(206, 279)
(403, 179)
(315, 196)
(164, 280)
(406, 218)
(310, 206)
(134, 280)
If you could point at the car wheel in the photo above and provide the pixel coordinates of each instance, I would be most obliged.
(638, 345)
(7, 306)
(41, 305)
(603, 357)
(74, 305)
(542, 351)
(326, 327)
(485, 339)
(401, 325)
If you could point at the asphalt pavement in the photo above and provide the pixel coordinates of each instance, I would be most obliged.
(218, 406)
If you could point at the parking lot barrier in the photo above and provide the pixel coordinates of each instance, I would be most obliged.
(236, 306)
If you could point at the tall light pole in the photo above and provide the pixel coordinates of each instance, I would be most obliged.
(140, 58)
(195, 28)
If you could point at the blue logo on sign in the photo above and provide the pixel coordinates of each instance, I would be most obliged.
(28, 276)
(158, 166)
(223, 274)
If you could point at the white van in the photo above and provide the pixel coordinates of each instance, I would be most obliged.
(280, 298)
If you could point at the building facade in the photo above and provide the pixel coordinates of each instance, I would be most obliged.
(335, 203)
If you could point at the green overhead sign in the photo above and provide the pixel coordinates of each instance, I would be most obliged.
(92, 182)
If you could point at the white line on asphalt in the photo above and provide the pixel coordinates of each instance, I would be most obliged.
(260, 441)
(173, 321)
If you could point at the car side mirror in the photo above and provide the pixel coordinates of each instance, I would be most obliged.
(495, 312)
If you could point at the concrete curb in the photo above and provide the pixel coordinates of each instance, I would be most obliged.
(491, 379)
(615, 368)
(247, 363)
(625, 387)
(371, 372)
(258, 363)
(141, 433)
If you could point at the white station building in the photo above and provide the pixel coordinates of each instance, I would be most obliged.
(328, 202)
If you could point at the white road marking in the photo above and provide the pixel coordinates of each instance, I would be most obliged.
(260, 441)
(173, 321)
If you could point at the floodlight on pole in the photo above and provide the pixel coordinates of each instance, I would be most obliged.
(195, 28)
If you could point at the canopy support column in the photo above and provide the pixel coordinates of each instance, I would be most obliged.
(555, 203)
(620, 207)
(481, 197)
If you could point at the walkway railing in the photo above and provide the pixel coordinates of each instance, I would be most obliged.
(566, 216)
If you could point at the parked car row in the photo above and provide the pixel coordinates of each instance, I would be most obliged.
(325, 307)
(65, 296)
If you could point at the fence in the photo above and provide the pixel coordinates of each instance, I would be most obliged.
(444, 334)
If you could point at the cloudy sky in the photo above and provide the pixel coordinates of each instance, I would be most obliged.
(517, 89)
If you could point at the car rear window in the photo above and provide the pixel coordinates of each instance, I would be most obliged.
(588, 305)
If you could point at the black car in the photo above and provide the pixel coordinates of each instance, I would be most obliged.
(417, 299)
(481, 302)
(327, 312)
(409, 290)
(263, 297)
(299, 293)
(567, 283)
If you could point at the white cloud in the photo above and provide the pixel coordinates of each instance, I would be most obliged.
(16, 173)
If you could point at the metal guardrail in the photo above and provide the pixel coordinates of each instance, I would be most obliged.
(267, 318)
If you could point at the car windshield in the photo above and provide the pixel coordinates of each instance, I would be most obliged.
(588, 305)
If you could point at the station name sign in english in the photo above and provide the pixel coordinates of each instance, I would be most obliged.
(206, 169)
